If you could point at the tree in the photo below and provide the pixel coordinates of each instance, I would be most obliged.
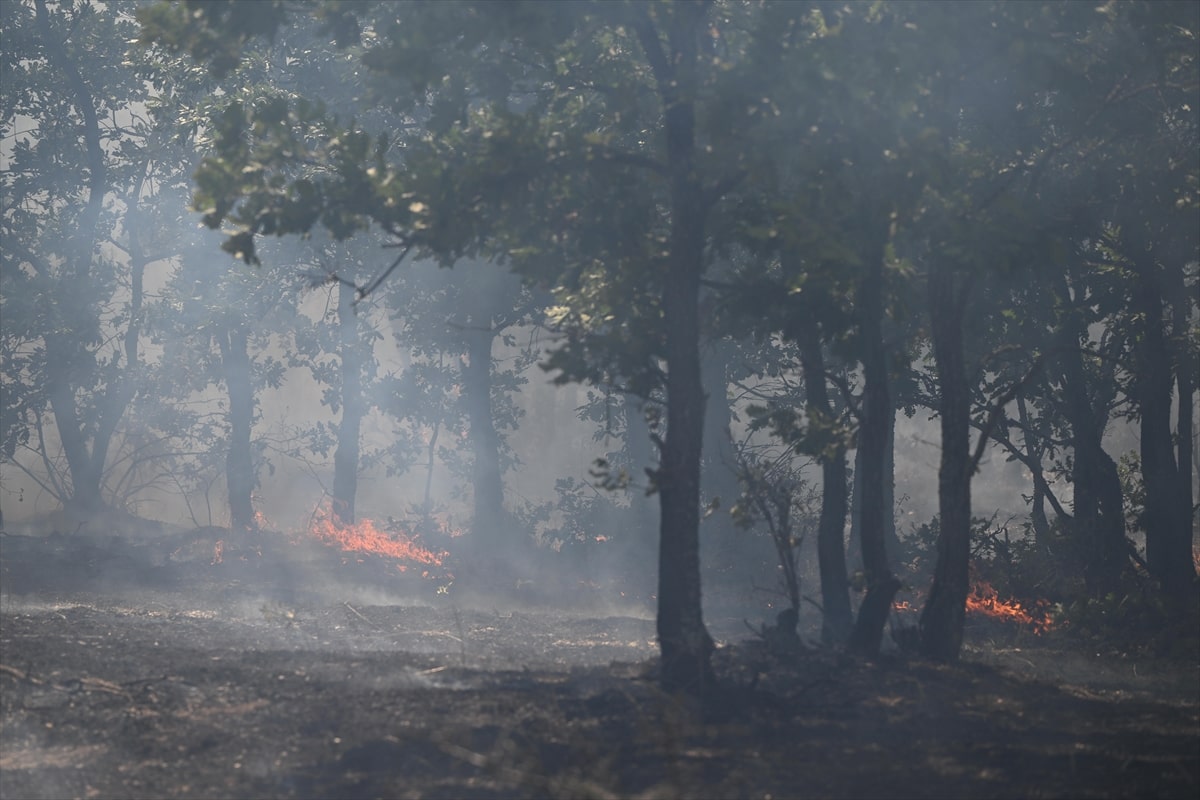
(459, 320)
(87, 168)
(338, 350)
(672, 57)
(607, 153)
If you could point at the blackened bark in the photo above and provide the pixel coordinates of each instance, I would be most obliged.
(683, 638)
(85, 482)
(1168, 534)
(1182, 302)
(890, 539)
(234, 345)
(836, 614)
(873, 442)
(941, 624)
(489, 525)
(345, 457)
(1098, 521)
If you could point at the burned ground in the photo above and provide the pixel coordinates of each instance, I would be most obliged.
(131, 670)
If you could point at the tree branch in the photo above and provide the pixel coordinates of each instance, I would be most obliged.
(997, 411)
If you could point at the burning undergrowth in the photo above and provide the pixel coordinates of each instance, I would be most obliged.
(321, 562)
(366, 538)
(986, 604)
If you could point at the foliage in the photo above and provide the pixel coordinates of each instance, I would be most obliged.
(881, 188)
(776, 496)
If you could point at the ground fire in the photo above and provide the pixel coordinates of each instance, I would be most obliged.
(984, 601)
(364, 536)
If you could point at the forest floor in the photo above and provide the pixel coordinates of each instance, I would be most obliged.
(132, 672)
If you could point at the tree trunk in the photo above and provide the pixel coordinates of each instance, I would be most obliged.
(683, 638)
(1098, 525)
(1182, 303)
(489, 524)
(120, 386)
(64, 353)
(941, 624)
(836, 614)
(873, 442)
(1033, 461)
(85, 484)
(890, 539)
(239, 463)
(1168, 534)
(345, 457)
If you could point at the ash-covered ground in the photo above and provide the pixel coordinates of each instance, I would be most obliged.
(144, 669)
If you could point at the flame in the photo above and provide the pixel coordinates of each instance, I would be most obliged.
(983, 599)
(443, 524)
(365, 536)
(218, 552)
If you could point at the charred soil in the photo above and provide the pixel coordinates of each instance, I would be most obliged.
(129, 671)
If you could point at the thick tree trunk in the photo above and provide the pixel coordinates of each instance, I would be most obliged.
(836, 614)
(1168, 533)
(85, 483)
(890, 539)
(345, 457)
(941, 624)
(683, 638)
(873, 442)
(489, 524)
(239, 462)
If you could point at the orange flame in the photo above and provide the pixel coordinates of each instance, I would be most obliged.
(365, 536)
(218, 552)
(984, 600)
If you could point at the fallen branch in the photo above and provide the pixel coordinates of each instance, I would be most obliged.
(19, 675)
(358, 614)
